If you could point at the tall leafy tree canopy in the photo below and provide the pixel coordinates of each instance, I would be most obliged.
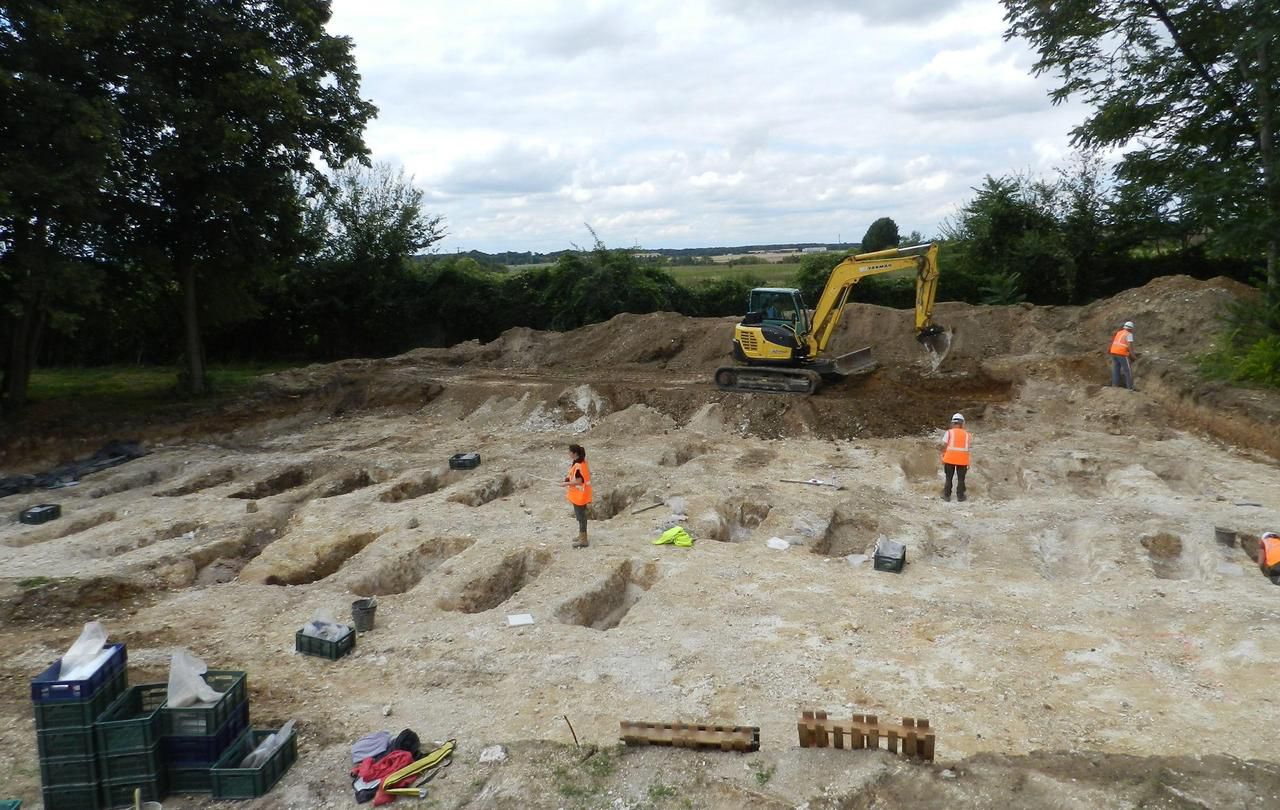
(225, 103)
(1190, 86)
(883, 233)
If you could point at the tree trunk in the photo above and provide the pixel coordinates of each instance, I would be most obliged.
(195, 372)
(23, 346)
(1266, 143)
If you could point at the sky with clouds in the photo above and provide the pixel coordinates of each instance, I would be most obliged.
(686, 124)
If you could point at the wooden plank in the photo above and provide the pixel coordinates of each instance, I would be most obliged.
(837, 735)
(805, 727)
(873, 732)
(820, 728)
(685, 735)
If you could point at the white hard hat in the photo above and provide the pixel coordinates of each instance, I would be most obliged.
(957, 417)
(1265, 535)
(1128, 324)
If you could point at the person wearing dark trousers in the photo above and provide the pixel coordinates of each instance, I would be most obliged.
(577, 486)
(955, 457)
(1122, 356)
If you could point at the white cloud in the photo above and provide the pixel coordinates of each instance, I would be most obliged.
(674, 123)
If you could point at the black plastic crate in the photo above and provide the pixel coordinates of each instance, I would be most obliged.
(194, 752)
(890, 556)
(233, 782)
(40, 513)
(76, 741)
(321, 648)
(464, 461)
(46, 688)
(75, 797)
(119, 792)
(80, 713)
(189, 780)
(132, 722)
(195, 721)
(68, 771)
(145, 764)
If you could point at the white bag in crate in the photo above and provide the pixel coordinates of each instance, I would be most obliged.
(186, 687)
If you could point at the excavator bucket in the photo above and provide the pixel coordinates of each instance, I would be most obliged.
(937, 342)
(855, 363)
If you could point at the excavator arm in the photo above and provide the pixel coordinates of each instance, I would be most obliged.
(921, 258)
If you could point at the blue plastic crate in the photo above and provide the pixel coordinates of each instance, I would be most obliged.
(46, 688)
(197, 752)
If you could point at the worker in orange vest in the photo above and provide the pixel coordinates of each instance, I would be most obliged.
(955, 456)
(577, 486)
(1121, 352)
(1269, 556)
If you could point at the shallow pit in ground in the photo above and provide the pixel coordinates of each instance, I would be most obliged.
(397, 573)
(74, 527)
(125, 543)
(682, 454)
(490, 490)
(1167, 555)
(326, 560)
(613, 502)
(133, 479)
(498, 584)
(849, 531)
(1065, 551)
(604, 606)
(415, 486)
(348, 483)
(734, 519)
(280, 482)
(201, 482)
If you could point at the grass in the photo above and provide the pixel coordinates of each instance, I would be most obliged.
(134, 384)
(33, 582)
(762, 774)
(776, 275)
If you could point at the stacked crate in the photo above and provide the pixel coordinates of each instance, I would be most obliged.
(65, 713)
(128, 740)
(196, 737)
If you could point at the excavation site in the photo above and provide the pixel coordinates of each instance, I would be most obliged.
(1088, 629)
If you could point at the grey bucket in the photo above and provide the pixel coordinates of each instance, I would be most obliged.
(362, 611)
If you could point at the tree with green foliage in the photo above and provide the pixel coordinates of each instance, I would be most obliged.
(58, 134)
(352, 292)
(1194, 85)
(224, 106)
(882, 234)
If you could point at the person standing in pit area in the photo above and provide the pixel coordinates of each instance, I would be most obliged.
(955, 456)
(1122, 356)
(1269, 556)
(578, 490)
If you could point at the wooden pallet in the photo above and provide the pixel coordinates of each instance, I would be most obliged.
(865, 731)
(686, 735)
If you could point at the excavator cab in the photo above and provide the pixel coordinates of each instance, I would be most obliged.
(781, 307)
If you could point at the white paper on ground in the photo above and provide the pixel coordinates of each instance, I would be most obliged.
(518, 619)
(778, 543)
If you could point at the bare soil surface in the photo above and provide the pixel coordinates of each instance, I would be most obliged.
(1075, 632)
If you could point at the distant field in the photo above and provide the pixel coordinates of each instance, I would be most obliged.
(779, 275)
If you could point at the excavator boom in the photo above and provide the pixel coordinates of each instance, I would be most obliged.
(786, 351)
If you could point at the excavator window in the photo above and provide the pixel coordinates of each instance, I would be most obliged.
(778, 307)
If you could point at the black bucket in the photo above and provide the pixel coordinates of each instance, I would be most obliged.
(362, 611)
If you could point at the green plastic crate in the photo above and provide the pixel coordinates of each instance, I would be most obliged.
(233, 782)
(190, 780)
(146, 764)
(73, 797)
(80, 713)
(65, 742)
(119, 792)
(321, 648)
(132, 722)
(197, 721)
(68, 771)
(10, 804)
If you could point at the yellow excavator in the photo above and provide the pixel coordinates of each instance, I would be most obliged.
(781, 345)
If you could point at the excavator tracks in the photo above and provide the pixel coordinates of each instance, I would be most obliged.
(768, 379)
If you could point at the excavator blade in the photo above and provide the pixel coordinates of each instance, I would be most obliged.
(937, 342)
(855, 363)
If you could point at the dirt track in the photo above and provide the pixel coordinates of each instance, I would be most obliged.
(1078, 603)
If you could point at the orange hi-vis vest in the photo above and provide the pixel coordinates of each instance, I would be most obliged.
(1120, 343)
(579, 492)
(1270, 552)
(957, 451)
